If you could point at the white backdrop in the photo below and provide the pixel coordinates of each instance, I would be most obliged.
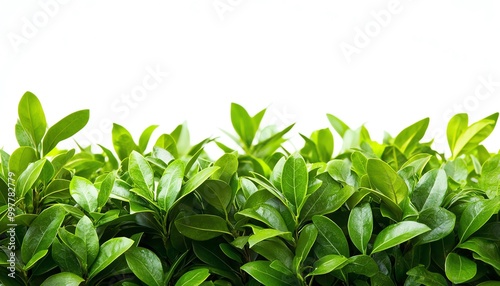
(384, 63)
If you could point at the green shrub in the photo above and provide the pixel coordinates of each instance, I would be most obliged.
(395, 212)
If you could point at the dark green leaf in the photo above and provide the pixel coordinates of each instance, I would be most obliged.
(86, 231)
(202, 227)
(484, 250)
(331, 239)
(427, 278)
(441, 222)
(262, 272)
(146, 265)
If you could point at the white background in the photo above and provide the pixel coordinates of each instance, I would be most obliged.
(385, 64)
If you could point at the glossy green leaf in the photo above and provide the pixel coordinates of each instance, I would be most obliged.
(484, 250)
(307, 237)
(441, 222)
(105, 189)
(475, 215)
(86, 231)
(63, 278)
(228, 165)
(109, 252)
(242, 124)
(360, 226)
(459, 269)
(430, 190)
(327, 264)
(170, 184)
(194, 182)
(36, 257)
(386, 180)
(141, 173)
(338, 125)
(123, 142)
(262, 272)
(294, 181)
(84, 193)
(29, 177)
(42, 232)
(407, 139)
(263, 234)
(490, 177)
(268, 215)
(275, 249)
(202, 227)
(331, 239)
(426, 277)
(145, 136)
(362, 265)
(473, 135)
(398, 233)
(193, 277)
(21, 158)
(64, 129)
(32, 117)
(216, 193)
(146, 265)
(456, 127)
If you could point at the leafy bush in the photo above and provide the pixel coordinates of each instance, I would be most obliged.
(395, 212)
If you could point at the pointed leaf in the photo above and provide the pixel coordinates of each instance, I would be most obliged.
(193, 277)
(331, 239)
(145, 136)
(398, 233)
(109, 252)
(65, 128)
(360, 226)
(84, 193)
(441, 222)
(170, 184)
(146, 265)
(262, 272)
(141, 173)
(430, 190)
(202, 227)
(294, 181)
(63, 278)
(407, 139)
(475, 216)
(32, 117)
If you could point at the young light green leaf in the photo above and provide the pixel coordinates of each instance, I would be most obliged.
(194, 182)
(21, 158)
(123, 142)
(440, 220)
(331, 239)
(327, 264)
(32, 118)
(109, 252)
(29, 177)
(459, 269)
(170, 184)
(193, 277)
(145, 136)
(228, 165)
(456, 127)
(202, 226)
(262, 272)
(63, 278)
(36, 257)
(294, 181)
(84, 193)
(338, 125)
(360, 226)
(398, 233)
(474, 134)
(263, 234)
(242, 124)
(408, 139)
(386, 180)
(475, 215)
(65, 128)
(42, 232)
(105, 189)
(146, 265)
(490, 177)
(430, 190)
(141, 173)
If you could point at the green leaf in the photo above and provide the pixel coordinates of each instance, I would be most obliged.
(331, 239)
(141, 173)
(42, 232)
(65, 128)
(29, 177)
(490, 177)
(473, 135)
(398, 233)
(262, 272)
(65, 258)
(32, 117)
(305, 242)
(76, 244)
(430, 190)
(386, 180)
(361, 264)
(145, 136)
(202, 227)
(84, 193)
(425, 277)
(456, 127)
(242, 124)
(105, 189)
(408, 139)
(216, 193)
(228, 165)
(327, 264)
(441, 222)
(63, 278)
(329, 197)
(338, 125)
(146, 265)
(193, 277)
(195, 181)
(484, 250)
(36, 257)
(263, 234)
(459, 269)
(170, 184)
(109, 252)
(268, 215)
(275, 249)
(360, 226)
(475, 215)
(294, 181)
(86, 231)
(123, 142)
(21, 158)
